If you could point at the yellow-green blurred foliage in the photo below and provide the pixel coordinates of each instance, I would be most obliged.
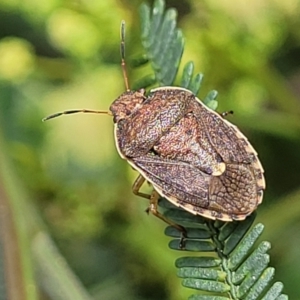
(57, 55)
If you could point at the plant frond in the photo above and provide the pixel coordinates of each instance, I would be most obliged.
(164, 43)
(231, 267)
(228, 264)
(162, 40)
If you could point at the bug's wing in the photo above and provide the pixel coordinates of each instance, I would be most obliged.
(226, 197)
(227, 140)
(235, 191)
(178, 181)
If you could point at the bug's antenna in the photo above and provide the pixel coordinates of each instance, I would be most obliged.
(123, 65)
(122, 48)
(75, 111)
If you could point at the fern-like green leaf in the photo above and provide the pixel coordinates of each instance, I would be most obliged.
(232, 266)
(188, 81)
(164, 43)
(210, 100)
(235, 269)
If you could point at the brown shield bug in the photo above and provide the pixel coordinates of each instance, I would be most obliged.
(190, 154)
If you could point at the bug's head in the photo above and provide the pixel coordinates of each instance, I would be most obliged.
(126, 104)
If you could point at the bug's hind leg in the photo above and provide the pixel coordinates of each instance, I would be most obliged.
(153, 209)
(226, 113)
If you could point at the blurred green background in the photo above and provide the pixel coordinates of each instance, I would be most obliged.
(63, 183)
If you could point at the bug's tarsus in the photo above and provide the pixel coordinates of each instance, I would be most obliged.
(182, 240)
(226, 113)
(75, 111)
(123, 63)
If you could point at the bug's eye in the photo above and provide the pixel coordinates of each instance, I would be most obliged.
(121, 123)
(128, 112)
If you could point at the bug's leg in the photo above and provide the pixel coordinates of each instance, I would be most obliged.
(153, 209)
(137, 185)
(226, 113)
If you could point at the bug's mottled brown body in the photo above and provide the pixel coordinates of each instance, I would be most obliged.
(191, 155)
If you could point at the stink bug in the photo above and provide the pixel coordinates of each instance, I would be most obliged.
(190, 154)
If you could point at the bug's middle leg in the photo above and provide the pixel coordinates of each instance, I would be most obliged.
(153, 209)
(154, 197)
(137, 185)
